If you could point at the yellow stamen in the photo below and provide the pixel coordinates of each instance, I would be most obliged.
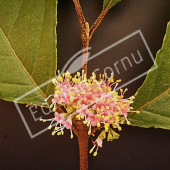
(59, 133)
(116, 114)
(71, 99)
(98, 115)
(118, 81)
(54, 109)
(107, 117)
(78, 117)
(138, 112)
(56, 128)
(117, 119)
(53, 133)
(107, 107)
(58, 92)
(98, 124)
(91, 150)
(67, 75)
(73, 94)
(95, 154)
(85, 122)
(78, 73)
(119, 128)
(128, 123)
(57, 87)
(59, 78)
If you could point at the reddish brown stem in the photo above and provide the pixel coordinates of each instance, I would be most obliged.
(97, 22)
(81, 131)
(86, 34)
(83, 138)
(99, 19)
(80, 17)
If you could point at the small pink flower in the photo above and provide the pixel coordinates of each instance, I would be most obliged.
(98, 143)
(58, 117)
(67, 124)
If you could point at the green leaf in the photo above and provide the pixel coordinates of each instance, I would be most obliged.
(110, 3)
(153, 98)
(27, 49)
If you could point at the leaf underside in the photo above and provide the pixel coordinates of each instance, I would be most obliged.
(27, 49)
(153, 98)
(111, 4)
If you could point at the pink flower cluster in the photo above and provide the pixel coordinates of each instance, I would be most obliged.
(94, 101)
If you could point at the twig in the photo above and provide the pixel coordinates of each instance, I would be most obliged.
(99, 20)
(86, 33)
(81, 18)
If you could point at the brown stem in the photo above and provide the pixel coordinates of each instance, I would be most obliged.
(80, 17)
(87, 33)
(83, 138)
(84, 34)
(59, 109)
(99, 19)
(81, 130)
(97, 22)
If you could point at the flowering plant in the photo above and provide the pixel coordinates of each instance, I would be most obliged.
(80, 103)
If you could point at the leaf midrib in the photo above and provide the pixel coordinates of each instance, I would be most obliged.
(154, 99)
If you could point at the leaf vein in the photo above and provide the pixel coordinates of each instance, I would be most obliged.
(15, 19)
(23, 66)
(154, 99)
(38, 46)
